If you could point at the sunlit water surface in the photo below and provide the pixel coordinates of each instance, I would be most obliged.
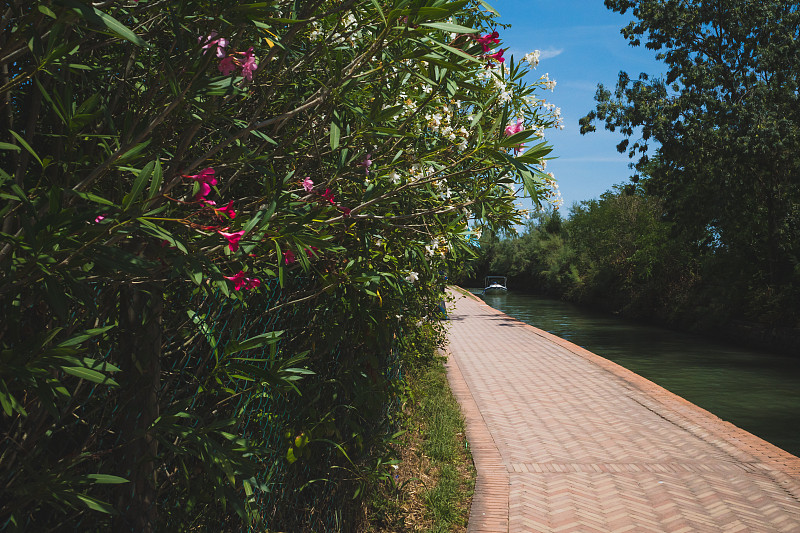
(757, 391)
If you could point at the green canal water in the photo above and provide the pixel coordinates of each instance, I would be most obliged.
(757, 391)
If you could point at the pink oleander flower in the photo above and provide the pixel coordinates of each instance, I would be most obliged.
(366, 163)
(205, 190)
(498, 56)
(206, 175)
(206, 179)
(240, 281)
(233, 239)
(249, 64)
(328, 195)
(227, 66)
(308, 185)
(210, 41)
(514, 127)
(345, 211)
(289, 257)
(99, 219)
(311, 252)
(488, 39)
(227, 210)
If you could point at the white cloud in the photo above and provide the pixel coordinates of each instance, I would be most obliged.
(550, 53)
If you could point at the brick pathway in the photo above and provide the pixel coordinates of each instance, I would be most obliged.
(566, 441)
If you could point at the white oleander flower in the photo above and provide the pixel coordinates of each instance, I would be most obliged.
(316, 31)
(412, 277)
(532, 58)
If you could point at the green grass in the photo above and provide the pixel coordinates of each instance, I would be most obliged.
(442, 426)
(431, 487)
(442, 500)
(434, 489)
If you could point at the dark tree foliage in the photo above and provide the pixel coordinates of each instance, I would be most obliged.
(723, 124)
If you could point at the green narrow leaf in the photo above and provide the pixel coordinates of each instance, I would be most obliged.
(271, 337)
(95, 504)
(252, 222)
(133, 152)
(535, 153)
(26, 145)
(4, 401)
(8, 146)
(158, 179)
(107, 479)
(9, 402)
(489, 8)
(456, 51)
(89, 375)
(92, 197)
(98, 18)
(89, 105)
(380, 11)
(199, 321)
(279, 255)
(86, 362)
(517, 138)
(138, 185)
(336, 134)
(196, 276)
(57, 107)
(47, 11)
(268, 215)
(446, 26)
(83, 336)
(161, 233)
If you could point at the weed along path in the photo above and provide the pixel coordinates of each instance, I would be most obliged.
(566, 441)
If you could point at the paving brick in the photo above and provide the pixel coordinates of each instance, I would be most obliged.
(564, 440)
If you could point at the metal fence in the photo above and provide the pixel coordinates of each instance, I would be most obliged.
(177, 416)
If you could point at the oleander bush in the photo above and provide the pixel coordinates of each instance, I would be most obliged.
(219, 218)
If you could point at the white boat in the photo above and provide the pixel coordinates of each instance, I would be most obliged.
(495, 284)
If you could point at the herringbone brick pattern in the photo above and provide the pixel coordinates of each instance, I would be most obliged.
(565, 441)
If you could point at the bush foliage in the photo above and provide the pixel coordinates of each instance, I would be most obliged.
(219, 218)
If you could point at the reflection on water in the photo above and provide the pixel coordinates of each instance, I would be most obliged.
(757, 391)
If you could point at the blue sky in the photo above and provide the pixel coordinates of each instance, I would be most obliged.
(581, 46)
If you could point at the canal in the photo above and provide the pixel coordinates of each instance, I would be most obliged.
(757, 391)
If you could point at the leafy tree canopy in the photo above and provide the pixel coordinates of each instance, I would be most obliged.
(723, 122)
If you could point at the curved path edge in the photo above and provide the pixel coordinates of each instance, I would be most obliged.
(489, 509)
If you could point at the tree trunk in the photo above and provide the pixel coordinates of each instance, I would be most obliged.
(140, 350)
